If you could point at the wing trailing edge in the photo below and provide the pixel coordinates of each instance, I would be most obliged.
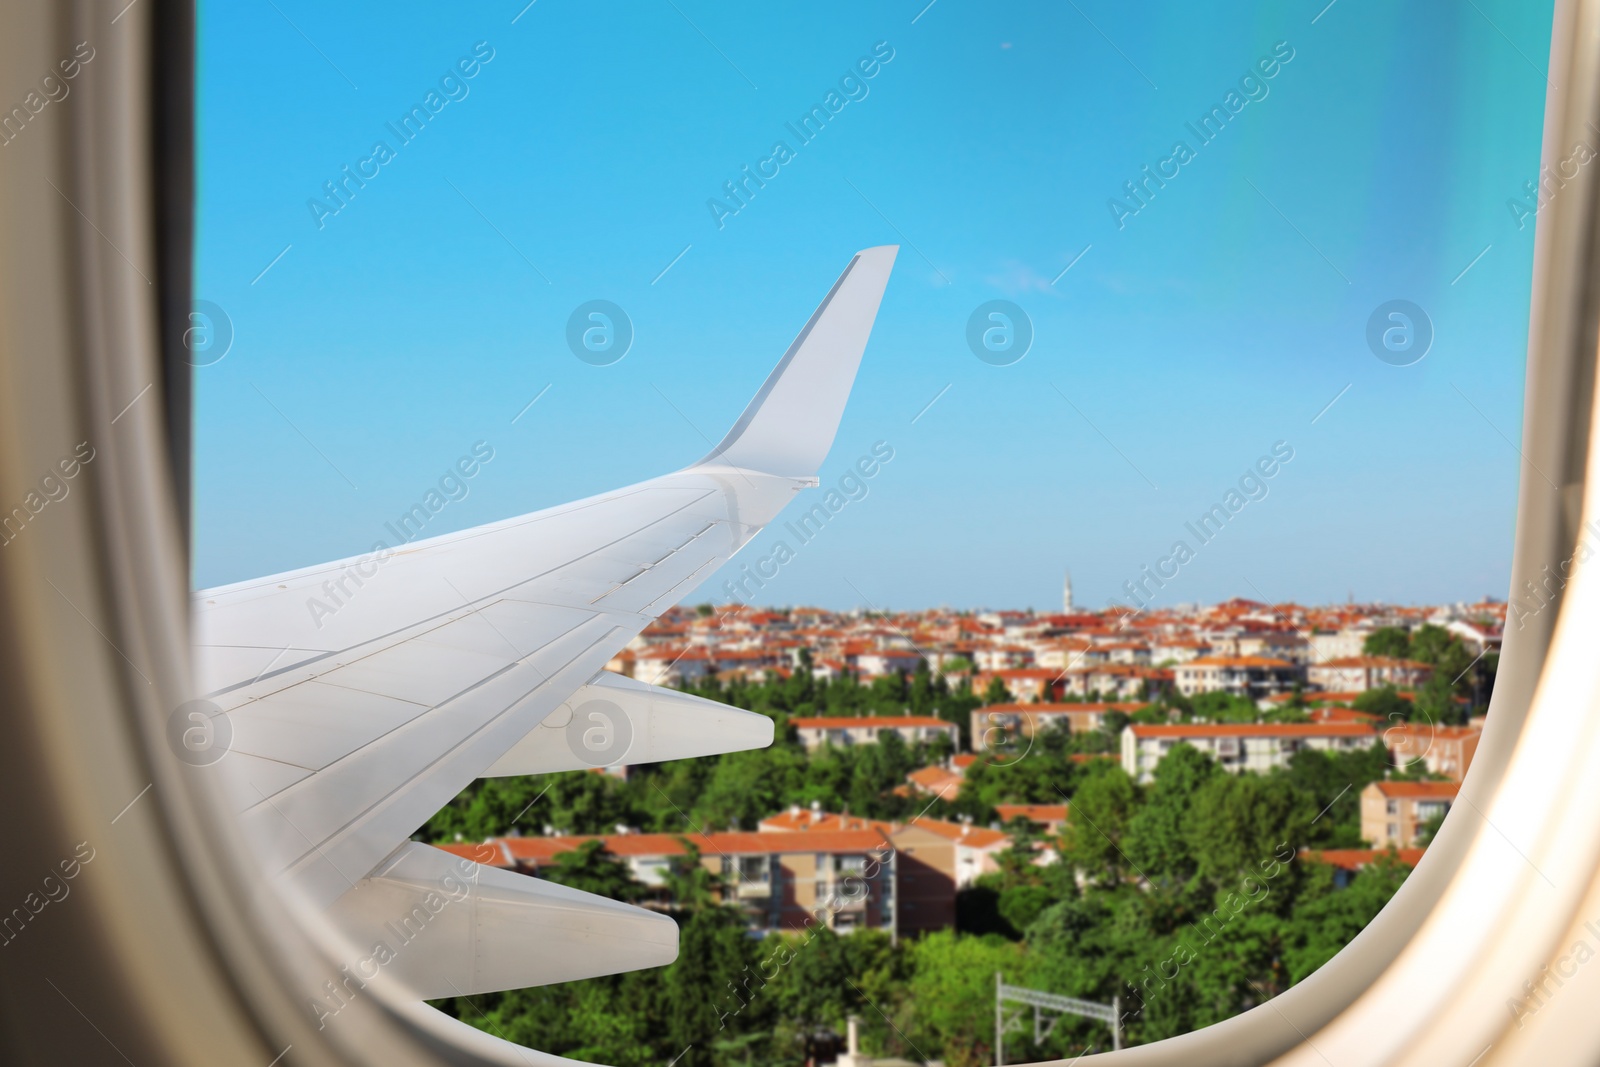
(438, 925)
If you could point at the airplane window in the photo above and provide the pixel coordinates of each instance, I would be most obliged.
(896, 532)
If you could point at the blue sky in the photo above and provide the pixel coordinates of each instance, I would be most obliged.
(577, 163)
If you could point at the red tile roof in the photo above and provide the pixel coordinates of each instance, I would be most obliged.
(733, 842)
(1374, 661)
(1336, 714)
(1255, 729)
(881, 722)
(1064, 709)
(1419, 790)
(1353, 859)
(1042, 813)
(1235, 661)
(810, 822)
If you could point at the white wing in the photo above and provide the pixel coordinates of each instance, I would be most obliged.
(362, 695)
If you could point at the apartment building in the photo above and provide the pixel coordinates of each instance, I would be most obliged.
(844, 879)
(1120, 681)
(1178, 650)
(1340, 644)
(840, 731)
(878, 662)
(1023, 683)
(1393, 813)
(1274, 644)
(933, 858)
(668, 665)
(1446, 750)
(1252, 746)
(1006, 725)
(1357, 674)
(1002, 657)
(1255, 677)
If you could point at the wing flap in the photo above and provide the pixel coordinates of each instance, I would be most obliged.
(617, 721)
(328, 830)
(451, 927)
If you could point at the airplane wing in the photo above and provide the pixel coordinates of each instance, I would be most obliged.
(355, 699)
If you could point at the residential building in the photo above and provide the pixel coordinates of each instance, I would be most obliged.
(1254, 677)
(1446, 750)
(670, 665)
(933, 858)
(1005, 725)
(1253, 746)
(1002, 658)
(1178, 650)
(844, 879)
(841, 731)
(1393, 813)
(1022, 683)
(1341, 644)
(939, 779)
(874, 663)
(1119, 681)
(1274, 644)
(1357, 674)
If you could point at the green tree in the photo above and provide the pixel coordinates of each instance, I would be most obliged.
(1237, 821)
(952, 993)
(1436, 701)
(1102, 809)
(1330, 785)
(1386, 703)
(1157, 840)
(690, 886)
(713, 986)
(1430, 829)
(996, 693)
(1388, 641)
(1432, 644)
(591, 868)
(811, 990)
(1325, 917)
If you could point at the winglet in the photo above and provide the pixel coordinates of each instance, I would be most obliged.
(789, 426)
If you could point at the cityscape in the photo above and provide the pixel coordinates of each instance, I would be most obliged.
(1169, 813)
